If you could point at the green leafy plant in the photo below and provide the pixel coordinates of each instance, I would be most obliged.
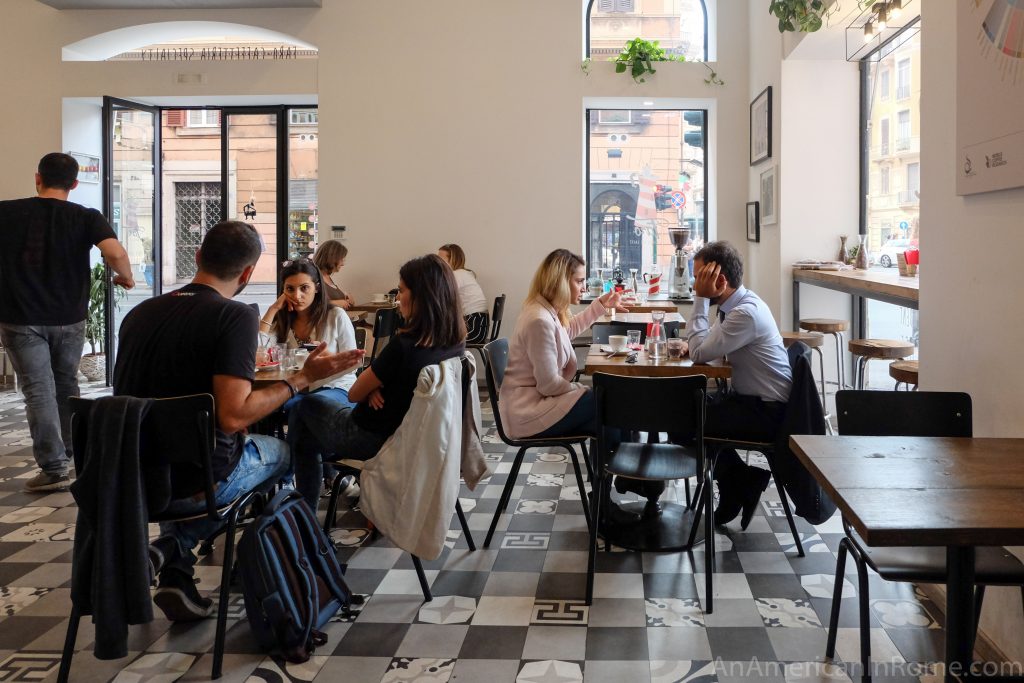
(638, 57)
(806, 16)
(95, 317)
(712, 78)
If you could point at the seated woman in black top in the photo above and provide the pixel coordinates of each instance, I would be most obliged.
(428, 301)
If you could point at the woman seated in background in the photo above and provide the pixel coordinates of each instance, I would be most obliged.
(434, 331)
(329, 258)
(538, 396)
(471, 296)
(302, 315)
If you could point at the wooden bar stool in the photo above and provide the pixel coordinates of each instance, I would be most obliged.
(904, 372)
(880, 349)
(835, 328)
(815, 340)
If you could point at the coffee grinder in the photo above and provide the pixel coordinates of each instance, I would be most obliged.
(679, 270)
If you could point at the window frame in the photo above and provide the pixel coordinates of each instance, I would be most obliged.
(910, 77)
(205, 114)
(307, 112)
(705, 111)
(590, 9)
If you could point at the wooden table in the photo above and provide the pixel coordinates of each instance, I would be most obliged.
(883, 285)
(598, 361)
(373, 306)
(918, 491)
(670, 530)
(266, 377)
(658, 304)
(634, 318)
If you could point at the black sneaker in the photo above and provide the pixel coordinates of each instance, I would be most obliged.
(161, 552)
(178, 598)
(757, 482)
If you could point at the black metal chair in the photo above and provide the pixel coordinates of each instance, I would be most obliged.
(495, 355)
(180, 432)
(920, 413)
(385, 325)
(496, 315)
(331, 516)
(653, 405)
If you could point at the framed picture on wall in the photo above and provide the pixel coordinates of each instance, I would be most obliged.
(88, 167)
(769, 196)
(761, 127)
(753, 222)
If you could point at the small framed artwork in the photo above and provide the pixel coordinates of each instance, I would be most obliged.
(753, 222)
(761, 127)
(88, 167)
(769, 196)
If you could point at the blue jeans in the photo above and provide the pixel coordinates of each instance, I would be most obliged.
(320, 428)
(46, 358)
(264, 459)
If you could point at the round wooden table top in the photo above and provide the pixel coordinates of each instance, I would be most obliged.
(824, 325)
(812, 339)
(904, 371)
(881, 348)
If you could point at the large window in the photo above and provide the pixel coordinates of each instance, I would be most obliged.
(680, 26)
(644, 178)
(893, 179)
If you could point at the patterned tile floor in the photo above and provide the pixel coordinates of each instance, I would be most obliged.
(513, 612)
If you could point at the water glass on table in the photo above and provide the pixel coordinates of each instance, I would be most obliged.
(280, 355)
(633, 340)
(675, 349)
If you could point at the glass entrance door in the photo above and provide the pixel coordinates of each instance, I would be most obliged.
(131, 203)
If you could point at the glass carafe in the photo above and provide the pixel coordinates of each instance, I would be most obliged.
(863, 259)
(656, 340)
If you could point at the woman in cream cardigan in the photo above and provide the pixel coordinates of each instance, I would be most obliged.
(538, 396)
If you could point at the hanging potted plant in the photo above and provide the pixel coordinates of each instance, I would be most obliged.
(94, 363)
(638, 57)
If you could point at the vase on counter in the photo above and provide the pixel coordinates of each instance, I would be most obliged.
(863, 261)
(844, 253)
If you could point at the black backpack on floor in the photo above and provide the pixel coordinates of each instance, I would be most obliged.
(291, 578)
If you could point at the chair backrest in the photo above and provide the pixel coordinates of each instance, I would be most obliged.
(386, 323)
(179, 432)
(496, 315)
(601, 331)
(651, 404)
(495, 357)
(904, 413)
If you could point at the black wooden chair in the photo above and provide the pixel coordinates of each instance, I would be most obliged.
(653, 405)
(331, 516)
(385, 325)
(495, 355)
(919, 413)
(496, 315)
(179, 432)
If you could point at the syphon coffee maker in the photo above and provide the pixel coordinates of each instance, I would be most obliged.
(679, 287)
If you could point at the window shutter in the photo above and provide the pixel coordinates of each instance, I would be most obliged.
(176, 118)
(605, 5)
(624, 5)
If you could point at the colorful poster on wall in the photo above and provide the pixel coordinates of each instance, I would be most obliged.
(88, 167)
(989, 95)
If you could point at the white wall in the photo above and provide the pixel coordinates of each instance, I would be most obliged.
(453, 131)
(972, 329)
(82, 131)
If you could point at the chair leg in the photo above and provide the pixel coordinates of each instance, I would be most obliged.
(598, 489)
(427, 597)
(69, 645)
(789, 513)
(331, 517)
(689, 499)
(586, 461)
(709, 545)
(465, 525)
(979, 596)
(579, 483)
(506, 493)
(837, 596)
(225, 591)
(865, 619)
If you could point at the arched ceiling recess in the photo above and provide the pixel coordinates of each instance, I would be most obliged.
(105, 45)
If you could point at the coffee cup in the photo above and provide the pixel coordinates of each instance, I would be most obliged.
(380, 297)
(617, 342)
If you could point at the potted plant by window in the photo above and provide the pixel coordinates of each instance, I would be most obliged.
(94, 363)
(637, 56)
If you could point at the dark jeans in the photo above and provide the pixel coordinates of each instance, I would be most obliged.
(580, 420)
(746, 418)
(339, 397)
(46, 358)
(320, 430)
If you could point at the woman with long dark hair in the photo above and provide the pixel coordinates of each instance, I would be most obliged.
(434, 331)
(471, 296)
(303, 315)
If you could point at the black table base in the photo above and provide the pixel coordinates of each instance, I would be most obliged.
(666, 531)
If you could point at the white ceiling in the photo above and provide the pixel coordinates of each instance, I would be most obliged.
(180, 4)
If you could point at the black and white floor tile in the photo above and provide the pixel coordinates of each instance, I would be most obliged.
(511, 612)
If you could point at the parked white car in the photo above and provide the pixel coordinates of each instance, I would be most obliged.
(887, 254)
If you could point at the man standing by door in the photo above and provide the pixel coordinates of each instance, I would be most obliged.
(44, 293)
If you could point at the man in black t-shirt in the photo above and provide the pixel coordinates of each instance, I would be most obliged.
(44, 292)
(197, 340)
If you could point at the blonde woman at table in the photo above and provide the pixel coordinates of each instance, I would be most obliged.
(538, 396)
(303, 315)
(471, 296)
(329, 258)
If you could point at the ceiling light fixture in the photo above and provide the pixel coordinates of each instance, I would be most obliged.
(895, 9)
(869, 32)
(882, 15)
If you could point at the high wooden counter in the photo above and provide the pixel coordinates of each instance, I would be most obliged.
(883, 285)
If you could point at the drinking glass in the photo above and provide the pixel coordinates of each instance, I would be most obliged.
(675, 348)
(280, 355)
(634, 339)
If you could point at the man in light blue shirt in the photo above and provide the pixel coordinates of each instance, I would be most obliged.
(747, 335)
